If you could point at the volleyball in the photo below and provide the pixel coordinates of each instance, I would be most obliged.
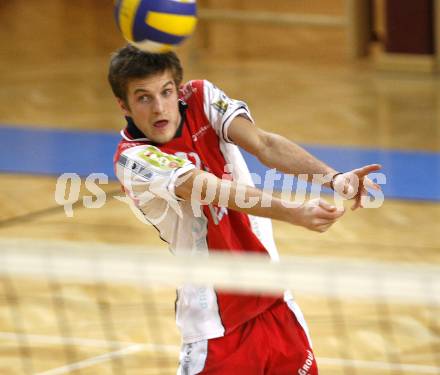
(156, 25)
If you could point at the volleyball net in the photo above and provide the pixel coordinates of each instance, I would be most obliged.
(87, 308)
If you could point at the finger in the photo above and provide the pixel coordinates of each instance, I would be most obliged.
(326, 206)
(330, 215)
(323, 228)
(358, 201)
(363, 171)
(319, 222)
(370, 184)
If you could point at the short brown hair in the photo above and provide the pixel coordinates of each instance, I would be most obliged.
(130, 63)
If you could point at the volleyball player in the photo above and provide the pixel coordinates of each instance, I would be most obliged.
(179, 161)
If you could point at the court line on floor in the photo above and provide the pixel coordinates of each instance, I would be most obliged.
(33, 215)
(93, 343)
(94, 360)
(137, 347)
(37, 214)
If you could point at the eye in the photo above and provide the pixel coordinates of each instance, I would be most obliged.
(144, 99)
(167, 92)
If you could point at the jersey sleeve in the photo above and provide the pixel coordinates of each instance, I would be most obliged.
(146, 173)
(221, 110)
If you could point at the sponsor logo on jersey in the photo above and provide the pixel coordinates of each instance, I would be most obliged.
(141, 171)
(161, 160)
(134, 167)
(221, 106)
(200, 132)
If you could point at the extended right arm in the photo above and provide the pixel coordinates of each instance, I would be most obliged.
(203, 187)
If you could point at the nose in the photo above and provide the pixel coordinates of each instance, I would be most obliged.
(158, 106)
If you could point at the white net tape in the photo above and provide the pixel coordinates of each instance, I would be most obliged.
(90, 262)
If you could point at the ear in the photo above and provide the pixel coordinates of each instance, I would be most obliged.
(124, 107)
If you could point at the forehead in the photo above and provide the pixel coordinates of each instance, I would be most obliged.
(152, 83)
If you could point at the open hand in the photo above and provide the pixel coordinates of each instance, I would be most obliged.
(354, 184)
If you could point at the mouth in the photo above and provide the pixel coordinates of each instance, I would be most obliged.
(160, 124)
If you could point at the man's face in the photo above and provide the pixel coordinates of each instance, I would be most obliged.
(153, 106)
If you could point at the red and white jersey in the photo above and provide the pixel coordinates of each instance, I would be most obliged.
(148, 173)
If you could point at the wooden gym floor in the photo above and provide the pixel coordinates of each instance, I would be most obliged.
(299, 83)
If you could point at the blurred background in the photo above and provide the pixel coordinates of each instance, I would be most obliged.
(353, 81)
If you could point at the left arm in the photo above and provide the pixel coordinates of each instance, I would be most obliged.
(276, 151)
(232, 121)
